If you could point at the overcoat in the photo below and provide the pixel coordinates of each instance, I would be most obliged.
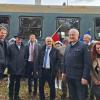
(16, 59)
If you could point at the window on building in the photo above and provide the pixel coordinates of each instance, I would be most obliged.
(31, 25)
(97, 28)
(4, 20)
(66, 23)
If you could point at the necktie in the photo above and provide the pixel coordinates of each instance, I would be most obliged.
(32, 51)
(18, 47)
(46, 57)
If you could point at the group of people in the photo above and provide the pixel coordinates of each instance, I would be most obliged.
(81, 73)
(78, 62)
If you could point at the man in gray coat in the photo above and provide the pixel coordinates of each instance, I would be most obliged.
(16, 66)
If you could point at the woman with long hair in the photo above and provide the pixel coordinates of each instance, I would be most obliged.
(96, 70)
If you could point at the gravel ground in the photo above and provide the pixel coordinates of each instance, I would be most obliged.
(23, 91)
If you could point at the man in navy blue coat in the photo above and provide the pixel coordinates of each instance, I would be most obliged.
(77, 66)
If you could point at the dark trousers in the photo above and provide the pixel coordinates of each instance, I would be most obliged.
(14, 86)
(76, 90)
(30, 85)
(31, 77)
(46, 76)
(2, 68)
(97, 97)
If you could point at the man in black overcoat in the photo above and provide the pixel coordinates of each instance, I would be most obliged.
(16, 66)
(49, 64)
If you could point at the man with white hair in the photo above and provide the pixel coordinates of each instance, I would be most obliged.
(48, 65)
(89, 43)
(87, 39)
(77, 66)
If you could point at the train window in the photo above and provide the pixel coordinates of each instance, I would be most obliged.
(4, 20)
(97, 28)
(66, 23)
(31, 25)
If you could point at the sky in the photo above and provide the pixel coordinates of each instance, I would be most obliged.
(54, 2)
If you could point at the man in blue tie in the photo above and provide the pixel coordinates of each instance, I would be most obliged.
(48, 65)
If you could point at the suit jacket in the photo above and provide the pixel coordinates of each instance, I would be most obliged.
(54, 59)
(6, 52)
(16, 59)
(2, 57)
(35, 56)
(2, 54)
(77, 61)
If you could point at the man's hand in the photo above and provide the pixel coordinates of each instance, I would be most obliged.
(84, 81)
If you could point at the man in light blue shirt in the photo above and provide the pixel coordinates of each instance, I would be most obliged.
(48, 66)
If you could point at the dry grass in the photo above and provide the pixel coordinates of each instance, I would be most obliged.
(23, 91)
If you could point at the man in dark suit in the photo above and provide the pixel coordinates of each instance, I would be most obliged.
(76, 66)
(16, 66)
(3, 50)
(32, 50)
(48, 66)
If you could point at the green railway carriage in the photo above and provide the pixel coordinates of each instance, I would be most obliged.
(45, 20)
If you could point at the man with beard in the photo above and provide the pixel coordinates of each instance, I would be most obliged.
(3, 50)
